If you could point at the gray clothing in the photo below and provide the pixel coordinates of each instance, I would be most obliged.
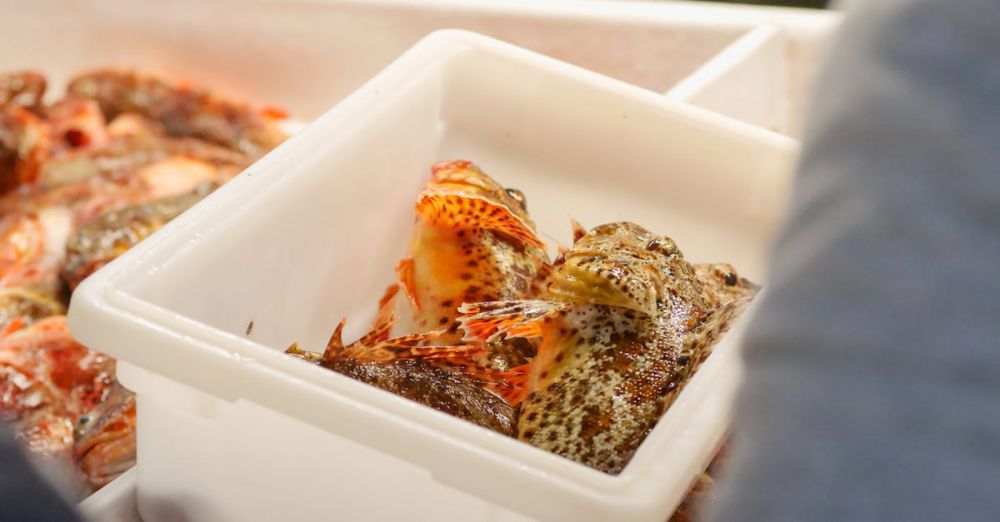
(873, 367)
(24, 494)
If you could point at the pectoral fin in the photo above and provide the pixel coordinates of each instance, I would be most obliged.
(486, 322)
(405, 276)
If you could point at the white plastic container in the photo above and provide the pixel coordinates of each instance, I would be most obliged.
(765, 77)
(232, 429)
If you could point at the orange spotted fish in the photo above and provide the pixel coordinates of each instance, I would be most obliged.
(625, 322)
(473, 241)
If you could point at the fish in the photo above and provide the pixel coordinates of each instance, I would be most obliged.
(21, 307)
(134, 142)
(104, 238)
(624, 324)
(472, 241)
(182, 109)
(47, 380)
(104, 438)
(32, 249)
(25, 144)
(76, 123)
(24, 89)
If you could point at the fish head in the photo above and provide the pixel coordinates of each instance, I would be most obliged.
(460, 195)
(722, 283)
(105, 437)
(621, 264)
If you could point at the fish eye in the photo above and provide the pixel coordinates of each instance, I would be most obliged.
(84, 419)
(731, 279)
(518, 196)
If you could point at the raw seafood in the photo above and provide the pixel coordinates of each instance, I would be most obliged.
(587, 352)
(625, 323)
(82, 180)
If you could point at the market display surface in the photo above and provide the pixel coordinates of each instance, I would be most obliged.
(84, 178)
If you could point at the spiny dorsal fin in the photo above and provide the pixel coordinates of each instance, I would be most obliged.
(470, 212)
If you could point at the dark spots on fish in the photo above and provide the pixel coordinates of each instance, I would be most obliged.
(461, 233)
(447, 303)
(249, 327)
(443, 321)
(529, 434)
(731, 279)
(544, 374)
(531, 417)
(472, 289)
(593, 423)
(552, 436)
(472, 263)
(683, 360)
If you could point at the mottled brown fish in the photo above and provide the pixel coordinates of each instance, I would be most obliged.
(625, 323)
(182, 109)
(377, 361)
(103, 239)
(24, 146)
(472, 241)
